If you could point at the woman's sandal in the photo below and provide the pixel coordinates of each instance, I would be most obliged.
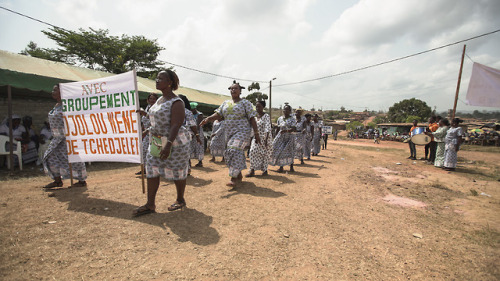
(142, 210)
(79, 184)
(54, 184)
(176, 206)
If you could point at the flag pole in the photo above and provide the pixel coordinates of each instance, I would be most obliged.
(139, 129)
(458, 84)
(71, 173)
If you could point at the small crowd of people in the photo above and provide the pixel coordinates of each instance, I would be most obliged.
(171, 139)
(173, 135)
(33, 145)
(445, 142)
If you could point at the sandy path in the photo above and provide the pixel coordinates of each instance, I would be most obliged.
(328, 220)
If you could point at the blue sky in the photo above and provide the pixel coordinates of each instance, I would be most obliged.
(293, 40)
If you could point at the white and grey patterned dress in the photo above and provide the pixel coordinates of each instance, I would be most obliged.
(145, 141)
(175, 167)
(260, 153)
(55, 160)
(189, 122)
(451, 142)
(218, 142)
(237, 133)
(197, 149)
(300, 138)
(317, 137)
(307, 139)
(284, 143)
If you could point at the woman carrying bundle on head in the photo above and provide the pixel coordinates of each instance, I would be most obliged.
(260, 152)
(284, 142)
(239, 118)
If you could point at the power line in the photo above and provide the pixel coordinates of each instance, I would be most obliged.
(174, 64)
(387, 62)
(213, 74)
(299, 82)
(31, 18)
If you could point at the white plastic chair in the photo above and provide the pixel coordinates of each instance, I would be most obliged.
(3, 151)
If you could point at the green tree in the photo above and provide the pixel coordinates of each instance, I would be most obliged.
(371, 125)
(354, 126)
(400, 111)
(96, 49)
(255, 96)
(410, 119)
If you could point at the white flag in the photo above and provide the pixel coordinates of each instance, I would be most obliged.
(484, 86)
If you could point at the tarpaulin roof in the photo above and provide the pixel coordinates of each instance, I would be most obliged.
(39, 75)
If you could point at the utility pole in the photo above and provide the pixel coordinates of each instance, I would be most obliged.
(270, 100)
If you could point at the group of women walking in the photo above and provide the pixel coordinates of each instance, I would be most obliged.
(171, 137)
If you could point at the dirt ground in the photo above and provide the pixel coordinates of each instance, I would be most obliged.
(357, 211)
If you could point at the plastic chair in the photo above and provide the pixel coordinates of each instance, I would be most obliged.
(3, 150)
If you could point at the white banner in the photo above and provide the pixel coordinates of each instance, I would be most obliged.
(484, 86)
(101, 122)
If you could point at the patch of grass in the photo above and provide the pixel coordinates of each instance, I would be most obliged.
(439, 185)
(486, 236)
(474, 192)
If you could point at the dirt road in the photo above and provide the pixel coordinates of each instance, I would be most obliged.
(357, 211)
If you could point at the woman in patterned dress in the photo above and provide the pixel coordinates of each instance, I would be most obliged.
(284, 142)
(145, 126)
(309, 132)
(439, 136)
(217, 142)
(300, 135)
(55, 160)
(190, 123)
(167, 116)
(317, 135)
(452, 142)
(198, 146)
(259, 153)
(239, 117)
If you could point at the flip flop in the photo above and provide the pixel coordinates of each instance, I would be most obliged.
(142, 210)
(176, 206)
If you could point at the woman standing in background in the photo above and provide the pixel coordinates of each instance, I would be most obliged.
(284, 142)
(260, 152)
(55, 160)
(317, 135)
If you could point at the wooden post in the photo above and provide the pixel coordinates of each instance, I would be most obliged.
(270, 103)
(71, 173)
(139, 129)
(458, 84)
(11, 137)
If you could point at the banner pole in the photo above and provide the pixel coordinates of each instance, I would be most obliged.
(71, 173)
(458, 84)
(139, 129)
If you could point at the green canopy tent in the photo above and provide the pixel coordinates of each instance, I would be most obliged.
(30, 81)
